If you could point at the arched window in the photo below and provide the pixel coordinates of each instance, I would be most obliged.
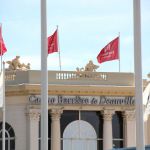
(93, 118)
(9, 137)
(79, 135)
(117, 126)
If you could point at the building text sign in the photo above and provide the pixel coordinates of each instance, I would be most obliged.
(84, 100)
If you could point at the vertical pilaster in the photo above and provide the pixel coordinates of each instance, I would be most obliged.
(129, 128)
(107, 129)
(55, 129)
(33, 116)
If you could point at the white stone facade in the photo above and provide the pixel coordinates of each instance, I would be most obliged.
(24, 115)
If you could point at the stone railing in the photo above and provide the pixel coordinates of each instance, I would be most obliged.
(10, 75)
(72, 75)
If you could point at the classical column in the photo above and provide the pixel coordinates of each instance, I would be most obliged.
(33, 116)
(55, 129)
(107, 129)
(129, 128)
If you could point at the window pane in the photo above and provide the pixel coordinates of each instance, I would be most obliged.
(117, 144)
(49, 144)
(39, 144)
(40, 127)
(7, 126)
(67, 117)
(11, 132)
(12, 145)
(0, 144)
(8, 133)
(117, 125)
(49, 126)
(6, 145)
(100, 145)
(95, 119)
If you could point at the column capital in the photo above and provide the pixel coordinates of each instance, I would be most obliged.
(33, 114)
(129, 115)
(107, 114)
(56, 113)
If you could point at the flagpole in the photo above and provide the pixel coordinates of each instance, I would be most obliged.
(138, 76)
(1, 55)
(3, 132)
(59, 49)
(1, 47)
(44, 78)
(119, 51)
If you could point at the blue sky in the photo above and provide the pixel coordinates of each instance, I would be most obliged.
(85, 27)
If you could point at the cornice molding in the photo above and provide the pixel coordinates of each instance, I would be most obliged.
(26, 89)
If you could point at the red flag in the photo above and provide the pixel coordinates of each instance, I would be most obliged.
(2, 44)
(109, 52)
(53, 43)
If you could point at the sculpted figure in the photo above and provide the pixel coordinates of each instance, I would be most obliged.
(16, 65)
(91, 67)
(25, 67)
(79, 71)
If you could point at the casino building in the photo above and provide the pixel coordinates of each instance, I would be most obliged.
(88, 110)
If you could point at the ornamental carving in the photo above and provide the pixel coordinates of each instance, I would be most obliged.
(129, 115)
(107, 114)
(90, 67)
(33, 114)
(15, 64)
(56, 113)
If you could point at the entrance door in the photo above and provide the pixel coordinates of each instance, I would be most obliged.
(79, 135)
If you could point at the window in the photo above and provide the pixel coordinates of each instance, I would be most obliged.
(92, 121)
(9, 137)
(117, 126)
(79, 135)
(93, 118)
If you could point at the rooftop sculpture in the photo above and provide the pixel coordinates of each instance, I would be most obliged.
(89, 67)
(87, 70)
(15, 64)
